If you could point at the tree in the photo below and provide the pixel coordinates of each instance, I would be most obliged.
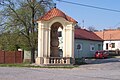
(19, 17)
(92, 29)
(77, 26)
(118, 28)
(13, 41)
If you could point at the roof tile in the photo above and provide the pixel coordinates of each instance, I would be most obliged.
(56, 13)
(87, 35)
(109, 34)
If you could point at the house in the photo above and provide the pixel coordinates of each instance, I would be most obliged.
(86, 43)
(111, 39)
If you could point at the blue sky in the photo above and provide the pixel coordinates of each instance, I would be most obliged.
(100, 19)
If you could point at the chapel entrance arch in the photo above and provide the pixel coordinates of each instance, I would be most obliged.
(54, 40)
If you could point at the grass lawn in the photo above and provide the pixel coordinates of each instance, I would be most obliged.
(35, 66)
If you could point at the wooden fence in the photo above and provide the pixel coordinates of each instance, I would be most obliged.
(10, 57)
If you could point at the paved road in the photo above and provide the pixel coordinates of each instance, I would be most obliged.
(100, 69)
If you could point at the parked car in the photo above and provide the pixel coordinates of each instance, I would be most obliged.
(101, 54)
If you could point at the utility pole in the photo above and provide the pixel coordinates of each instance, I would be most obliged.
(83, 23)
(110, 42)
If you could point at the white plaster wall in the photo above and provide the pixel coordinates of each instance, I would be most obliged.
(117, 45)
(69, 40)
(40, 40)
(44, 37)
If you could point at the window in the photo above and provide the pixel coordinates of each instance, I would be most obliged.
(79, 47)
(113, 45)
(99, 46)
(92, 47)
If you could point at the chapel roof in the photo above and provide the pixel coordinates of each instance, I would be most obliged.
(54, 12)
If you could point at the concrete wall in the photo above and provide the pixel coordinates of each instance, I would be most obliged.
(86, 49)
(27, 56)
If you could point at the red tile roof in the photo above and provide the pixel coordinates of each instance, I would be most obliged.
(109, 34)
(56, 13)
(87, 35)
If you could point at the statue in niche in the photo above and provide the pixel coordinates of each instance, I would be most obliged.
(54, 42)
(54, 37)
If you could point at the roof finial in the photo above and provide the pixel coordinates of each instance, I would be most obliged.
(54, 5)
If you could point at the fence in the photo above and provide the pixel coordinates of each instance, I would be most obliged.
(9, 57)
(114, 52)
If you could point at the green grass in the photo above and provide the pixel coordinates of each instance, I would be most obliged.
(35, 66)
(12, 65)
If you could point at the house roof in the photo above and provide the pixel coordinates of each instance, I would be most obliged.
(86, 35)
(109, 34)
(56, 13)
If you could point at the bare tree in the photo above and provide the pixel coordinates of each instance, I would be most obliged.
(118, 28)
(91, 28)
(20, 15)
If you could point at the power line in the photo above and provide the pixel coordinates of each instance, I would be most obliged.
(85, 5)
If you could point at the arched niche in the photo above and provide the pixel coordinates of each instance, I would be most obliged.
(55, 36)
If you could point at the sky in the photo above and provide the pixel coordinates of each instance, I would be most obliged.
(100, 19)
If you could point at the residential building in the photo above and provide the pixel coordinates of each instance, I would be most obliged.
(86, 43)
(111, 39)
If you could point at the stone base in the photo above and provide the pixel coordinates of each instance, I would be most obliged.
(42, 60)
(54, 61)
(39, 60)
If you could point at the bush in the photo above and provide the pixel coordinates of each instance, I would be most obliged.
(79, 61)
